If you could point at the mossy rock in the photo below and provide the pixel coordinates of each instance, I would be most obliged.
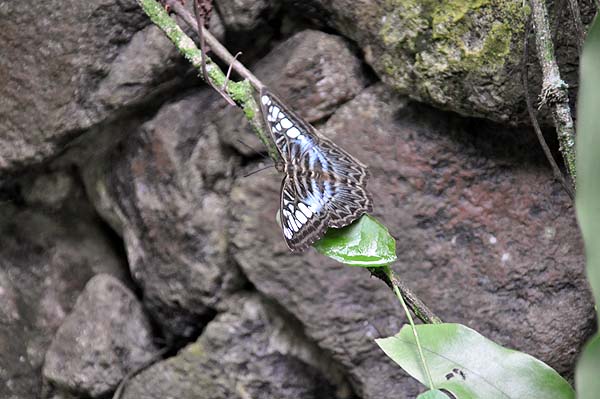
(460, 55)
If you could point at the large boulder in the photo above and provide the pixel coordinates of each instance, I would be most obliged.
(68, 65)
(461, 56)
(164, 191)
(106, 336)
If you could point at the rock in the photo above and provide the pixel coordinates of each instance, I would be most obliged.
(313, 71)
(69, 65)
(462, 57)
(483, 234)
(245, 15)
(49, 190)
(138, 71)
(164, 189)
(105, 337)
(45, 261)
(246, 352)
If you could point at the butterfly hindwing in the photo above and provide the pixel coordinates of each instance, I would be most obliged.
(324, 186)
(299, 224)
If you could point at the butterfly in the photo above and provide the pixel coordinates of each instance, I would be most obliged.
(323, 187)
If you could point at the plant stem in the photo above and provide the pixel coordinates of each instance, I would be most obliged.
(414, 303)
(536, 127)
(554, 90)
(215, 46)
(388, 271)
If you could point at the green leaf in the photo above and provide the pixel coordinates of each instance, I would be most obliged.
(471, 366)
(437, 394)
(587, 379)
(588, 156)
(588, 197)
(364, 243)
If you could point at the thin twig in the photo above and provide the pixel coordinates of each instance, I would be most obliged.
(215, 46)
(536, 127)
(414, 303)
(200, 22)
(229, 70)
(156, 357)
(554, 90)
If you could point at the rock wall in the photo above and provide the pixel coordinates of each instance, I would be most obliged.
(128, 232)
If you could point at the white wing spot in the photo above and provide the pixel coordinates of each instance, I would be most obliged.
(265, 100)
(292, 224)
(305, 209)
(293, 132)
(301, 218)
(285, 122)
(278, 127)
(274, 110)
(288, 233)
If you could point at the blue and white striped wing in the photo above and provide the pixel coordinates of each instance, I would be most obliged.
(303, 220)
(324, 186)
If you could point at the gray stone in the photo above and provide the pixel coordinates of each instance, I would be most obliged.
(463, 57)
(49, 190)
(69, 65)
(314, 72)
(483, 234)
(246, 352)
(136, 71)
(45, 262)
(164, 190)
(106, 336)
(245, 15)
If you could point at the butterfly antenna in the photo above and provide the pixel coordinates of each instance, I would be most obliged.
(259, 170)
(262, 155)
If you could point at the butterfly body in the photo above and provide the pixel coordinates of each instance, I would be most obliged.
(323, 187)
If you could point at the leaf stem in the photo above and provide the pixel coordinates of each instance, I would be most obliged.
(414, 303)
(388, 271)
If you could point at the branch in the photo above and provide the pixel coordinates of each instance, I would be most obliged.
(215, 46)
(414, 303)
(240, 92)
(536, 127)
(554, 90)
(201, 15)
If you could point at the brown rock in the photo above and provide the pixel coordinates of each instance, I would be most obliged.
(69, 65)
(246, 352)
(164, 191)
(105, 337)
(313, 71)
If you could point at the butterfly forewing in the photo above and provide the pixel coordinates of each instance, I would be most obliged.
(324, 186)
